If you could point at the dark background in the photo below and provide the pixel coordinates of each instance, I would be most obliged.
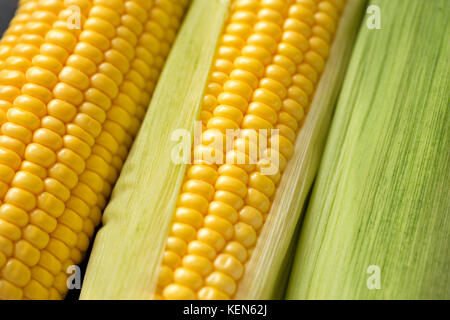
(7, 9)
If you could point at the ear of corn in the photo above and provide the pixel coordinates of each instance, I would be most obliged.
(268, 63)
(136, 221)
(71, 100)
(271, 80)
(382, 194)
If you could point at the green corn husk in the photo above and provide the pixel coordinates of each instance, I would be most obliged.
(128, 248)
(382, 193)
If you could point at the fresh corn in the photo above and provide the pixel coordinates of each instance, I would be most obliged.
(269, 60)
(216, 219)
(72, 100)
(266, 69)
(378, 224)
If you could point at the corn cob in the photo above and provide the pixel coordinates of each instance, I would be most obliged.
(377, 226)
(27, 153)
(264, 80)
(62, 131)
(269, 59)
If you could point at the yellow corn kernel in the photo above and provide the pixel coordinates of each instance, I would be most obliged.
(16, 272)
(26, 253)
(35, 291)
(8, 291)
(13, 214)
(45, 277)
(178, 292)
